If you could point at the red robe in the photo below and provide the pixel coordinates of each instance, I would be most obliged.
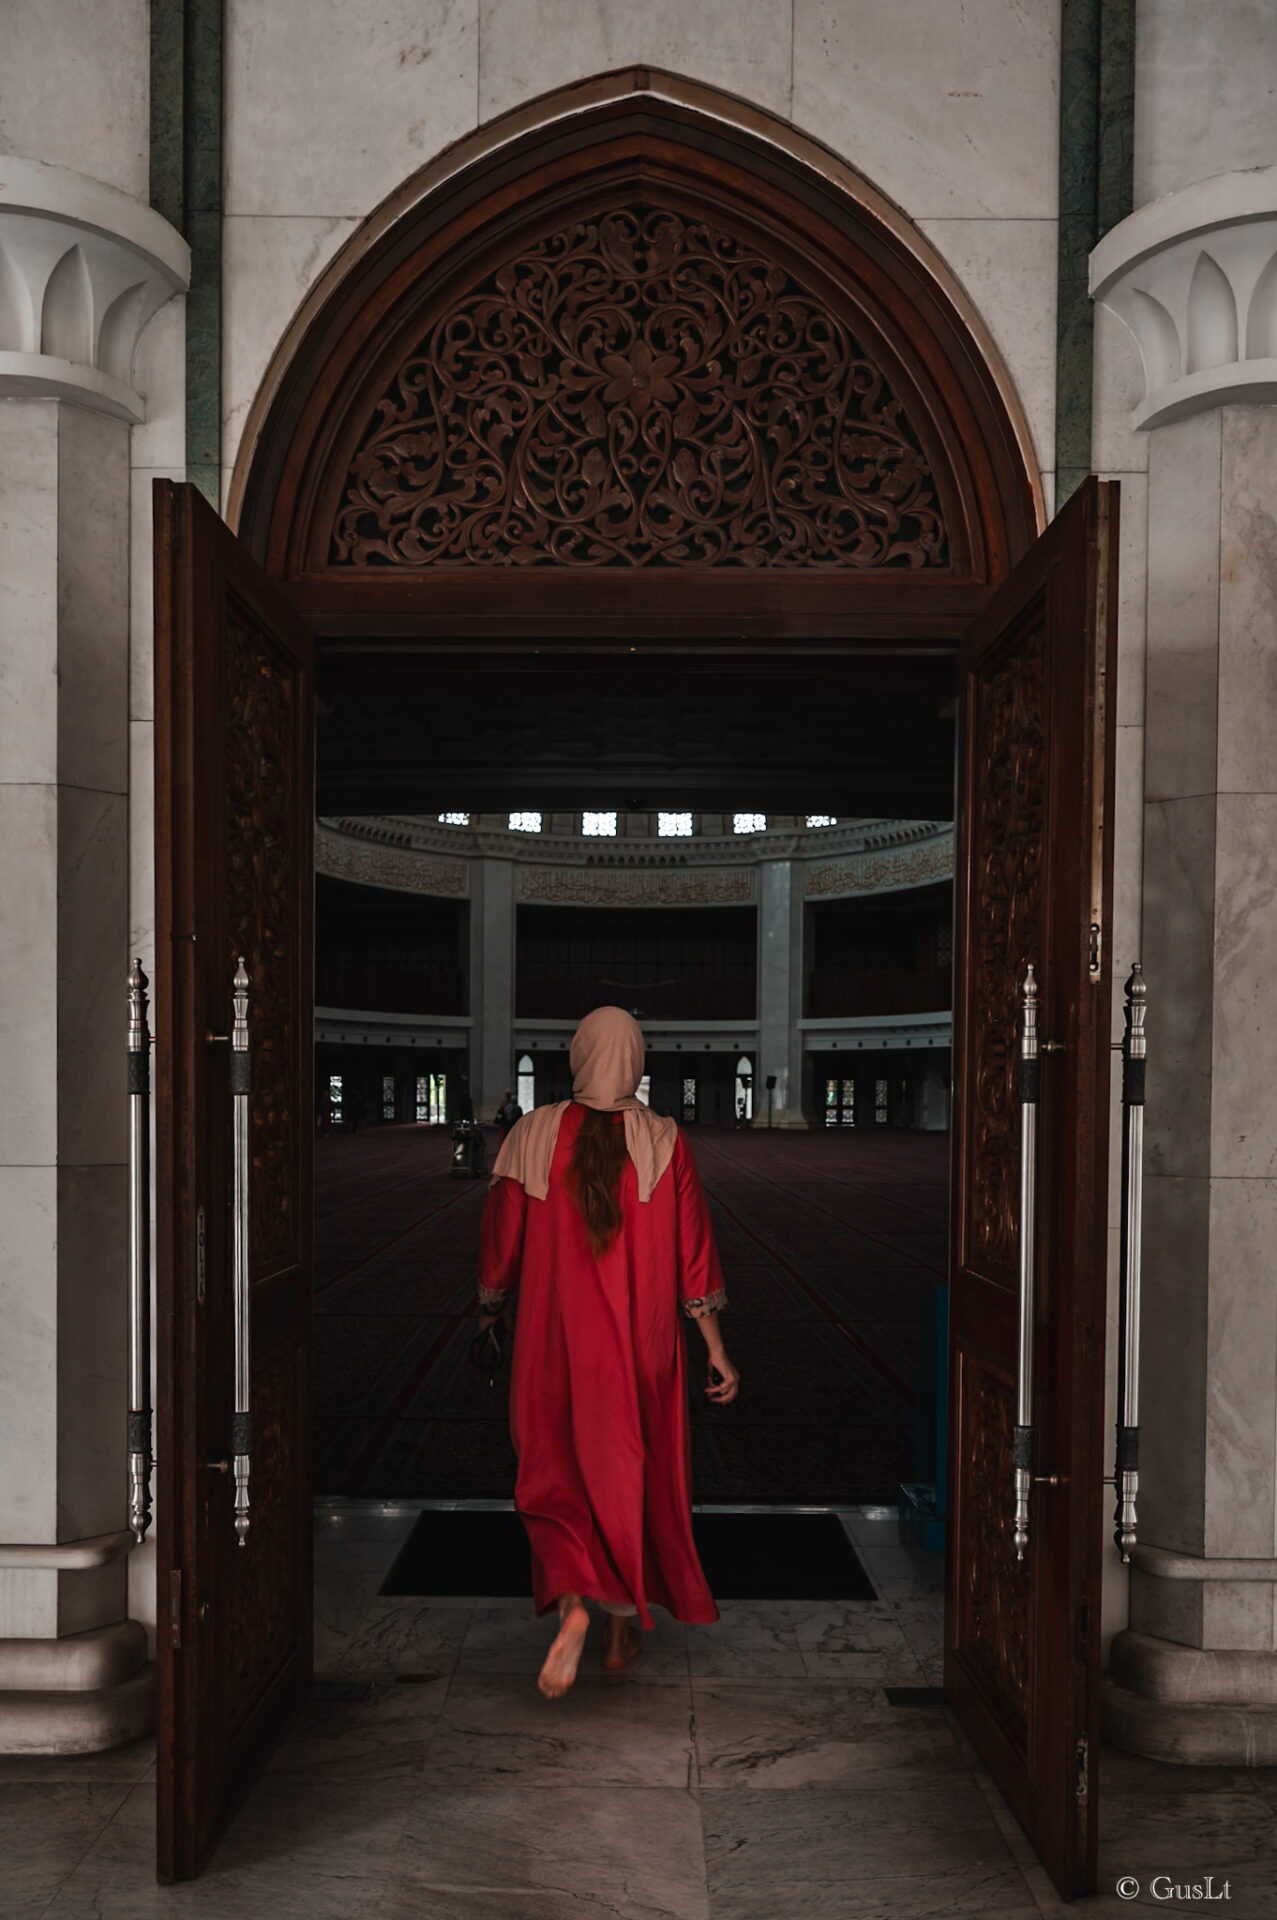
(598, 1403)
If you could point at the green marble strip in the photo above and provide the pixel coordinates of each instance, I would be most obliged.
(1097, 99)
(186, 187)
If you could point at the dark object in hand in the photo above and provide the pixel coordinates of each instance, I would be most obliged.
(489, 1348)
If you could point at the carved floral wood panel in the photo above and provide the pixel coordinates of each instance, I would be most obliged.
(262, 884)
(640, 389)
(993, 1629)
(1007, 843)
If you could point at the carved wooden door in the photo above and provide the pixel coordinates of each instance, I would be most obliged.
(234, 798)
(1022, 1637)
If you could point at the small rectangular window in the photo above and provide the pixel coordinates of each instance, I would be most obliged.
(880, 1103)
(822, 820)
(525, 823)
(334, 1097)
(689, 1098)
(454, 819)
(387, 1096)
(423, 1099)
(674, 826)
(749, 823)
(601, 825)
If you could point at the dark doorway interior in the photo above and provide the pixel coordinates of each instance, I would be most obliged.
(832, 1239)
(830, 1246)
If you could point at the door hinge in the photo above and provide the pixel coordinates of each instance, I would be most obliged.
(1095, 948)
(175, 1607)
(1082, 1755)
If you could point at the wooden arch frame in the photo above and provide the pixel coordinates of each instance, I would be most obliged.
(570, 155)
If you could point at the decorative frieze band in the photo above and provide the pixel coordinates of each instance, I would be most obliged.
(881, 872)
(377, 866)
(614, 887)
(83, 268)
(379, 854)
(1194, 277)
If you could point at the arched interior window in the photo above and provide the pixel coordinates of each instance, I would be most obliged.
(744, 1088)
(526, 1083)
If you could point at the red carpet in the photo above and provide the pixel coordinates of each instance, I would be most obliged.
(828, 1241)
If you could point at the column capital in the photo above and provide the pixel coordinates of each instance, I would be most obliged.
(1193, 276)
(83, 268)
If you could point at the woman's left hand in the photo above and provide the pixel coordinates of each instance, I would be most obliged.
(727, 1385)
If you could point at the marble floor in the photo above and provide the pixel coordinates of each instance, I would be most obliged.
(748, 1771)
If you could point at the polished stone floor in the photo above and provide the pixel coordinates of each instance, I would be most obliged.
(749, 1771)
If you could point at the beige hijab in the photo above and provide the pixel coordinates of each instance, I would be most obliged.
(607, 1064)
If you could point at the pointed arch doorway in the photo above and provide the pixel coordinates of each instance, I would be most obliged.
(637, 397)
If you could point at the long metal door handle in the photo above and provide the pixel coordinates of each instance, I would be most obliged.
(140, 1419)
(241, 1416)
(1028, 1094)
(1126, 1467)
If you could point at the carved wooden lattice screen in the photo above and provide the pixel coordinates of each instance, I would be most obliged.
(640, 390)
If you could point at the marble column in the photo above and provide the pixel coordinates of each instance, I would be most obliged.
(92, 267)
(1194, 277)
(492, 983)
(780, 989)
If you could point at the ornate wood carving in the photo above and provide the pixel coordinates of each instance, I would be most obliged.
(640, 390)
(1007, 844)
(994, 1585)
(262, 881)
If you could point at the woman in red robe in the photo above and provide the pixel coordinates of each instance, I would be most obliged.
(597, 1216)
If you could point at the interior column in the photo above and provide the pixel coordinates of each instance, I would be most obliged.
(780, 989)
(492, 944)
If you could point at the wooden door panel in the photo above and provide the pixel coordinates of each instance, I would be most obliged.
(234, 804)
(1034, 880)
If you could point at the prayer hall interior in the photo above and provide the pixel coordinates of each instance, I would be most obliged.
(754, 512)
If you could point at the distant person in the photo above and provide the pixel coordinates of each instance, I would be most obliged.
(597, 1216)
(508, 1112)
(355, 1109)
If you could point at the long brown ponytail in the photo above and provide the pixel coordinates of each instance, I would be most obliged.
(598, 1160)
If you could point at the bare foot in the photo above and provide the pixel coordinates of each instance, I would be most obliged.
(623, 1645)
(564, 1657)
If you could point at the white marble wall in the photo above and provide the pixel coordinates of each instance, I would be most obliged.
(75, 87)
(1210, 929)
(951, 110)
(1196, 702)
(63, 873)
(157, 451)
(74, 93)
(1206, 78)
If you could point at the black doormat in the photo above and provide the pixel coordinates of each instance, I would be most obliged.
(746, 1556)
